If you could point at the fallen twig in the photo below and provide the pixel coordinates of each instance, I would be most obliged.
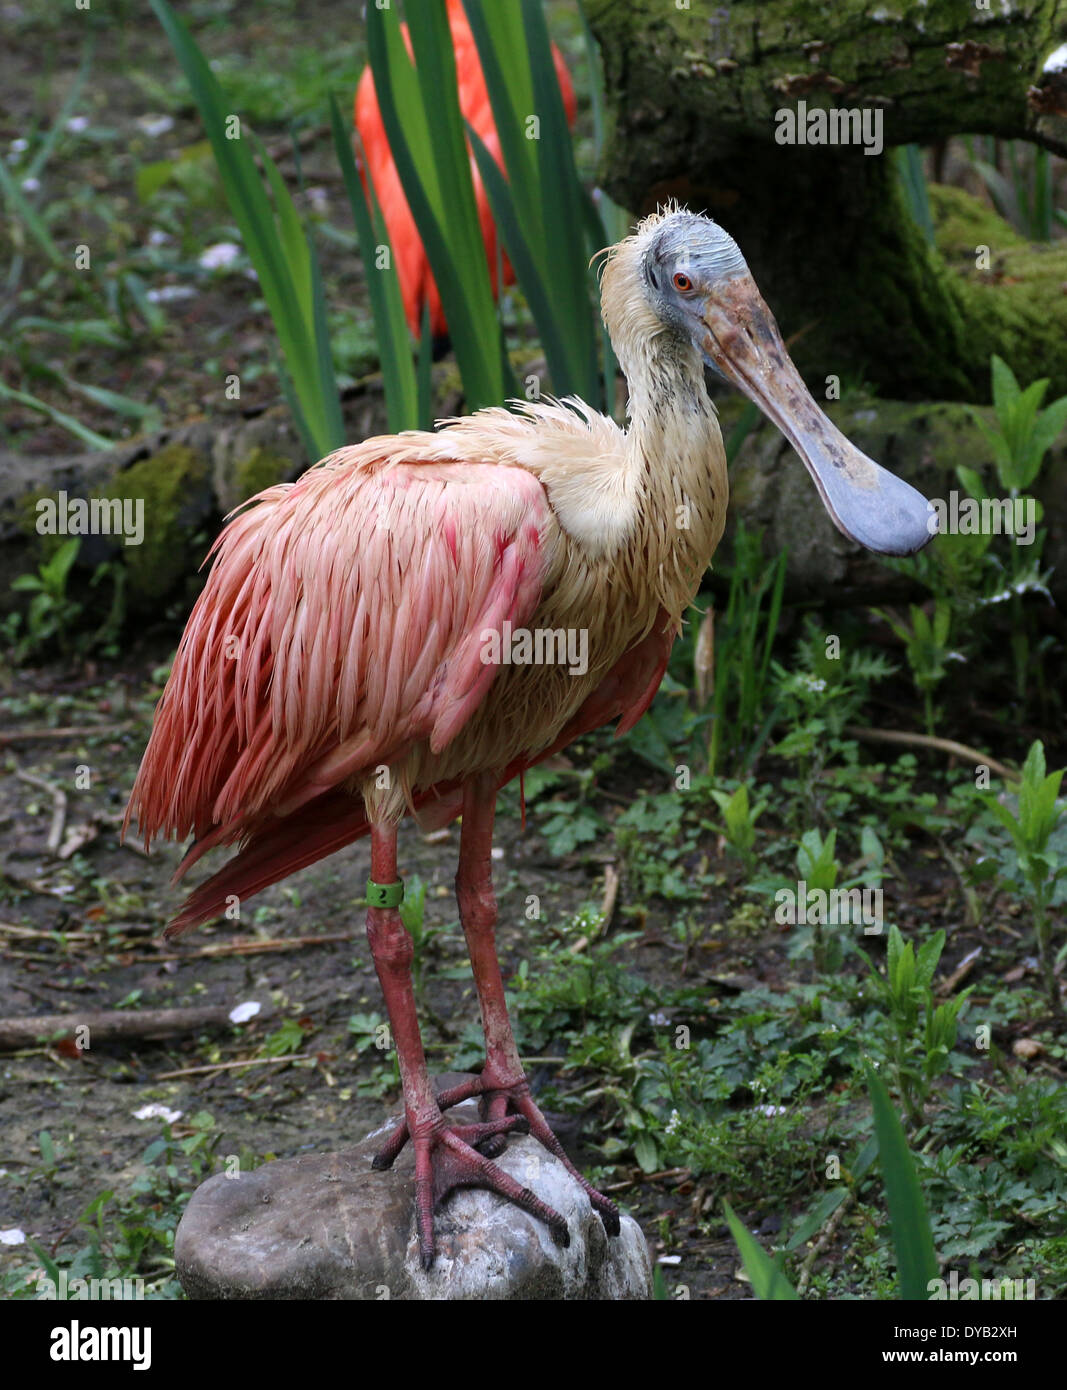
(943, 745)
(103, 1024)
(10, 929)
(59, 807)
(961, 971)
(607, 910)
(230, 1066)
(72, 731)
(251, 948)
(825, 1237)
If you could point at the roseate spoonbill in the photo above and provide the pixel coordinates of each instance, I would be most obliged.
(412, 267)
(334, 676)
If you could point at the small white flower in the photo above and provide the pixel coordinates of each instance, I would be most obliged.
(659, 1019)
(77, 124)
(814, 684)
(31, 185)
(241, 1013)
(19, 146)
(154, 126)
(673, 1123)
(771, 1110)
(222, 254)
(13, 1236)
(169, 293)
(157, 1112)
(156, 237)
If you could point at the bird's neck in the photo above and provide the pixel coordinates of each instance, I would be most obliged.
(675, 451)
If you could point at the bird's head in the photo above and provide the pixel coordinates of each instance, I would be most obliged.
(682, 279)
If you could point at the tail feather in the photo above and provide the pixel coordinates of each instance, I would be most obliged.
(273, 853)
(277, 848)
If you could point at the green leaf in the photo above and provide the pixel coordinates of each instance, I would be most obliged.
(820, 1213)
(420, 112)
(768, 1281)
(646, 1153)
(401, 394)
(972, 481)
(59, 417)
(913, 1241)
(276, 244)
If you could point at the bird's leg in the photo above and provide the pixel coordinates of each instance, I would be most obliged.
(445, 1157)
(503, 1082)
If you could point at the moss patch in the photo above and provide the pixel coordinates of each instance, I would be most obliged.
(174, 487)
(261, 468)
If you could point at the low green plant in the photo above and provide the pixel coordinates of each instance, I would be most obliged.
(279, 248)
(909, 1220)
(1037, 816)
(54, 619)
(917, 1056)
(928, 647)
(1023, 193)
(739, 817)
(744, 638)
(52, 614)
(1022, 433)
(1019, 439)
(817, 699)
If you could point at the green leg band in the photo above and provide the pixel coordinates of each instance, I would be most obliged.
(384, 894)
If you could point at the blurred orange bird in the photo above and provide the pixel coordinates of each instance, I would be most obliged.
(417, 620)
(412, 267)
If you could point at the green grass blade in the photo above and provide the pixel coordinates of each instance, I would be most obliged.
(427, 146)
(394, 352)
(43, 152)
(290, 301)
(59, 417)
(537, 290)
(424, 374)
(913, 181)
(768, 1281)
(562, 199)
(31, 219)
(913, 1241)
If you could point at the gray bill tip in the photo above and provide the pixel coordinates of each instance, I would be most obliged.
(891, 518)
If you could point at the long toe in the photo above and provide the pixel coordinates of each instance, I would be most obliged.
(494, 1106)
(456, 1164)
(539, 1128)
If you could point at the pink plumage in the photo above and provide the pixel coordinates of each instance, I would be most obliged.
(345, 665)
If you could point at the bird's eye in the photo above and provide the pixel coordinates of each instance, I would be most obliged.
(681, 282)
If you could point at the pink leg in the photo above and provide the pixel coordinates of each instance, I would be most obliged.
(503, 1082)
(444, 1154)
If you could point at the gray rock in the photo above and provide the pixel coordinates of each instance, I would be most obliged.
(327, 1226)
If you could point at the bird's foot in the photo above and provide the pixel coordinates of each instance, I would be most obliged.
(504, 1101)
(446, 1159)
(501, 1099)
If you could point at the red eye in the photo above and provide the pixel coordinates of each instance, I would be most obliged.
(682, 282)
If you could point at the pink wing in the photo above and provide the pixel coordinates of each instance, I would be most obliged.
(341, 622)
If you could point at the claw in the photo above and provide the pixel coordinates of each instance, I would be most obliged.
(445, 1161)
(463, 1154)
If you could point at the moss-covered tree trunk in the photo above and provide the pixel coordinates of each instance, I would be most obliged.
(697, 93)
